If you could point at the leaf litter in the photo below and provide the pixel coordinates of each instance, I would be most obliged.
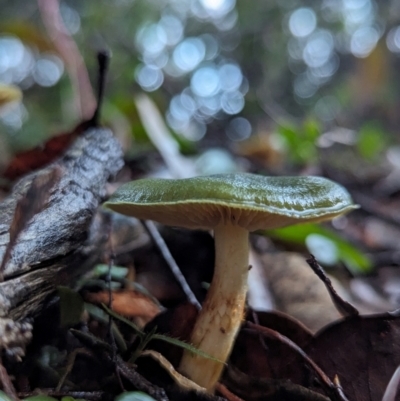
(275, 357)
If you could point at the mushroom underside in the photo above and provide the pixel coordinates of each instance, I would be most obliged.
(204, 215)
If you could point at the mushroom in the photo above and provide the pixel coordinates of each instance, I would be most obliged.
(232, 205)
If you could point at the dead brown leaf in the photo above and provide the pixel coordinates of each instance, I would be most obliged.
(128, 303)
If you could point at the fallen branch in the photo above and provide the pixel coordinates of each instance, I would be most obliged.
(64, 239)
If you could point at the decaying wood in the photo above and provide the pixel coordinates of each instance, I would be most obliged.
(27, 207)
(14, 337)
(64, 239)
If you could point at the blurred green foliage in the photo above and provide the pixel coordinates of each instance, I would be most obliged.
(339, 250)
(372, 140)
(300, 141)
(320, 64)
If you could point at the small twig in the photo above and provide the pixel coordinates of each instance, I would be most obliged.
(334, 391)
(139, 381)
(104, 351)
(162, 246)
(344, 307)
(86, 395)
(103, 58)
(183, 382)
(251, 387)
(111, 258)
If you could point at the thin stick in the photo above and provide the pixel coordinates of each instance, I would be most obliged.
(103, 58)
(334, 391)
(179, 166)
(86, 395)
(162, 246)
(344, 307)
(111, 258)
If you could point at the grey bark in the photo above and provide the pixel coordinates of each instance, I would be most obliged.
(66, 237)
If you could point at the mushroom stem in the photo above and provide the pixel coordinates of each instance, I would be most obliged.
(219, 320)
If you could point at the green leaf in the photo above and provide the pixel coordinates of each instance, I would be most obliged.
(184, 345)
(101, 316)
(123, 320)
(147, 337)
(354, 259)
(71, 306)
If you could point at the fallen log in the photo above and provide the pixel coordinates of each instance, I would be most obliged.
(65, 239)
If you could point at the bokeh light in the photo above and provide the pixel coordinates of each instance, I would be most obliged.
(217, 85)
(232, 103)
(238, 129)
(189, 48)
(217, 8)
(230, 77)
(303, 87)
(205, 81)
(48, 70)
(318, 49)
(19, 64)
(302, 22)
(172, 27)
(363, 41)
(71, 18)
(393, 39)
(189, 53)
(151, 38)
(13, 115)
(149, 77)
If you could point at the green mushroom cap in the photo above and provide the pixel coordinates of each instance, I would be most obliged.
(251, 201)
